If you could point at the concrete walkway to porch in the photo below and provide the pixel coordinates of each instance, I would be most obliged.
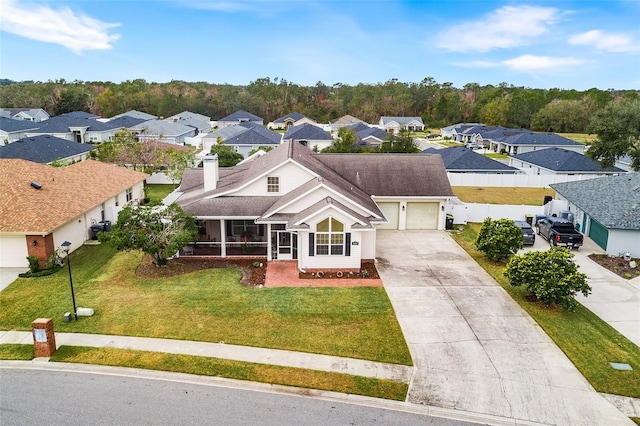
(284, 273)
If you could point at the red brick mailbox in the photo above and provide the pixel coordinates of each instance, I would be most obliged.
(44, 339)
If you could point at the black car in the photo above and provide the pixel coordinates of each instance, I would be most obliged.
(528, 233)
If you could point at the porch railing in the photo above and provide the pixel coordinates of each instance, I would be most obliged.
(210, 248)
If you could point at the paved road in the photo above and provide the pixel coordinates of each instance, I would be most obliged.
(473, 347)
(69, 398)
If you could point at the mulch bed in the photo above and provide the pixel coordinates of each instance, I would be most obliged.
(617, 265)
(367, 271)
(252, 276)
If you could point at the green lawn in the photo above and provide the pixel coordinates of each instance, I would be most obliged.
(583, 138)
(208, 305)
(497, 156)
(157, 192)
(590, 343)
(205, 366)
(502, 195)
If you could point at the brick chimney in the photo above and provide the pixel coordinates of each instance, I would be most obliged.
(211, 172)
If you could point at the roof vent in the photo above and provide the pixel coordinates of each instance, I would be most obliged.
(36, 185)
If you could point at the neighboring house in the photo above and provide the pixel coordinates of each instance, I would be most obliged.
(367, 135)
(458, 159)
(163, 131)
(199, 121)
(125, 122)
(313, 137)
(321, 210)
(454, 130)
(11, 129)
(28, 114)
(395, 124)
(136, 114)
(345, 120)
(559, 161)
(43, 206)
(45, 149)
(606, 209)
(242, 137)
(79, 127)
(237, 118)
(290, 120)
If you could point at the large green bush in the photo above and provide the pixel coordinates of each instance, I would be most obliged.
(499, 239)
(550, 276)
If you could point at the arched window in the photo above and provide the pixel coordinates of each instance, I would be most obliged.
(330, 238)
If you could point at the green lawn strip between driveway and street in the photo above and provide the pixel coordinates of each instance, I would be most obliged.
(205, 366)
(502, 195)
(589, 342)
(16, 351)
(208, 305)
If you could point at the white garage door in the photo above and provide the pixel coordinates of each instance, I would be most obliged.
(13, 252)
(422, 215)
(391, 212)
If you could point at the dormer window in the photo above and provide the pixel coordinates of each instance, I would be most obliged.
(273, 184)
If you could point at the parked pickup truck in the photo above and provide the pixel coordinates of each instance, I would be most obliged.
(560, 232)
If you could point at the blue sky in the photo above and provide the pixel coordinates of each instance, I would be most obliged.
(537, 44)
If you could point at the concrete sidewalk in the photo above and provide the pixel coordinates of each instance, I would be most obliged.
(333, 364)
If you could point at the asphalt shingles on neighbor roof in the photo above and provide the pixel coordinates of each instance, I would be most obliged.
(295, 116)
(614, 201)
(514, 137)
(11, 125)
(461, 158)
(241, 115)
(43, 149)
(63, 123)
(66, 192)
(165, 128)
(307, 131)
(562, 160)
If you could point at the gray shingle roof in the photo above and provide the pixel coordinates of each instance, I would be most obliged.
(295, 116)
(562, 160)
(43, 149)
(247, 133)
(459, 158)
(403, 121)
(241, 115)
(516, 137)
(126, 121)
(308, 132)
(10, 125)
(136, 114)
(346, 120)
(159, 127)
(614, 201)
(62, 124)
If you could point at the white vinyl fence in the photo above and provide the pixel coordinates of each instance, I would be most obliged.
(511, 180)
(474, 212)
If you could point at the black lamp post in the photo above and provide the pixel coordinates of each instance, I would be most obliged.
(65, 247)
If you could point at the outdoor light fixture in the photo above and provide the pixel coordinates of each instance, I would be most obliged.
(65, 247)
(34, 243)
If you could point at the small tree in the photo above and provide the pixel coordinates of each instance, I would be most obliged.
(227, 157)
(550, 276)
(159, 231)
(499, 239)
(403, 142)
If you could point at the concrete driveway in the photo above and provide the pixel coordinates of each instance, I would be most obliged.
(9, 275)
(473, 347)
(614, 299)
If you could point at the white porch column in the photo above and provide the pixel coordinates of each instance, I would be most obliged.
(223, 238)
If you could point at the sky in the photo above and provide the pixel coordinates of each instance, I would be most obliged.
(536, 44)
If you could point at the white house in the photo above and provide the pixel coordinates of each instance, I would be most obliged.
(395, 124)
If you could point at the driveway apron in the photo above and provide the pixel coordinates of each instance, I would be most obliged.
(473, 347)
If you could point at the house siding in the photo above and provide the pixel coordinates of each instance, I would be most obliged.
(291, 176)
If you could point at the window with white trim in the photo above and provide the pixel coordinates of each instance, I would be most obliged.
(330, 238)
(129, 194)
(273, 184)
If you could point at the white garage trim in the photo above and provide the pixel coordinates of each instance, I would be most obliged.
(422, 215)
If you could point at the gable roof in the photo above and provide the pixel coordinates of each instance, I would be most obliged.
(136, 114)
(43, 149)
(526, 137)
(19, 113)
(247, 133)
(79, 114)
(345, 120)
(241, 115)
(295, 116)
(614, 201)
(199, 121)
(66, 192)
(307, 131)
(562, 160)
(10, 125)
(164, 128)
(125, 121)
(63, 123)
(459, 158)
(403, 121)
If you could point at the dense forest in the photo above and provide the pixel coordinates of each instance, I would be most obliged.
(556, 110)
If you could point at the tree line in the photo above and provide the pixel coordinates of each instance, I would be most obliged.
(438, 104)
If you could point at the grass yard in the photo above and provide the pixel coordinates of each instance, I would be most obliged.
(299, 377)
(17, 352)
(583, 138)
(502, 195)
(497, 156)
(157, 192)
(208, 305)
(590, 343)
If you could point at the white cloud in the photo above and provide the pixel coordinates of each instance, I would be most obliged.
(506, 27)
(537, 63)
(74, 31)
(615, 43)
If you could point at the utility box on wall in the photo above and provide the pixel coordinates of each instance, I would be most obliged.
(44, 339)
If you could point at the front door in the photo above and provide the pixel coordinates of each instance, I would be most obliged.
(285, 247)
